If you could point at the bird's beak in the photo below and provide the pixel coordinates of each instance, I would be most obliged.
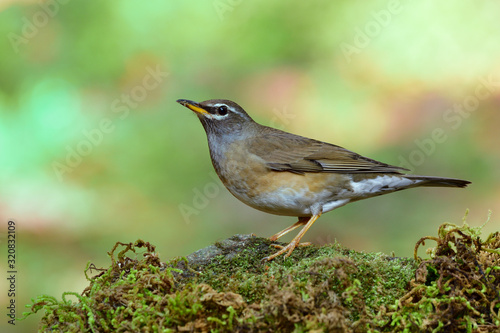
(193, 106)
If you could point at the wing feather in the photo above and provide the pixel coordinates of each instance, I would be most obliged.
(284, 151)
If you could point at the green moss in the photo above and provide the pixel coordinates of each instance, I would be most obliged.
(226, 288)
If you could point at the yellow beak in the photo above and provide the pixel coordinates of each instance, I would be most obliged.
(192, 105)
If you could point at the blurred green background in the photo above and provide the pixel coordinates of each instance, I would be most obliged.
(94, 149)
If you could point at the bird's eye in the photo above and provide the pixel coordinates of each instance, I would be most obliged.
(222, 110)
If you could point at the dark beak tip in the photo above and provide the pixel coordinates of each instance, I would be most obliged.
(186, 102)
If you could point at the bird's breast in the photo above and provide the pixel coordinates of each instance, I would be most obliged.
(248, 178)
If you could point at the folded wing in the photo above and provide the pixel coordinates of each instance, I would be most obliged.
(287, 152)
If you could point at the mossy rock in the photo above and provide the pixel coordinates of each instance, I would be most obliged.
(226, 288)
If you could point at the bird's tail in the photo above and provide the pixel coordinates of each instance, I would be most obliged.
(438, 181)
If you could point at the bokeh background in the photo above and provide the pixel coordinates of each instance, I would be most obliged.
(94, 149)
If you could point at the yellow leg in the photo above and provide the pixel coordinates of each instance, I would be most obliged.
(301, 221)
(296, 241)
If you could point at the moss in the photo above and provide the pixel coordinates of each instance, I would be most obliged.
(458, 288)
(226, 288)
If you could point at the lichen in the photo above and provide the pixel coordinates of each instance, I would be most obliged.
(226, 288)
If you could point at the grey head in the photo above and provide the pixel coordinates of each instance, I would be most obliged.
(220, 117)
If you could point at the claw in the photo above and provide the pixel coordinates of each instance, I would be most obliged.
(295, 242)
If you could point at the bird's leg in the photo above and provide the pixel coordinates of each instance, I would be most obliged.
(296, 241)
(301, 221)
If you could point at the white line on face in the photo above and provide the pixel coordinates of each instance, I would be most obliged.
(219, 117)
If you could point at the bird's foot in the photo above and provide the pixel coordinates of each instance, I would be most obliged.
(277, 246)
(296, 241)
(288, 249)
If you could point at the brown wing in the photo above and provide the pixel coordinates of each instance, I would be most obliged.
(288, 152)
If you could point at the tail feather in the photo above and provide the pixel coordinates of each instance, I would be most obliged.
(439, 181)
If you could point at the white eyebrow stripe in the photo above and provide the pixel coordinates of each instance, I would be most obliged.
(229, 107)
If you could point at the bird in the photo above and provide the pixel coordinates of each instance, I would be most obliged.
(290, 175)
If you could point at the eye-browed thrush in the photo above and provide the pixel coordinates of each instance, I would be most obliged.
(286, 174)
